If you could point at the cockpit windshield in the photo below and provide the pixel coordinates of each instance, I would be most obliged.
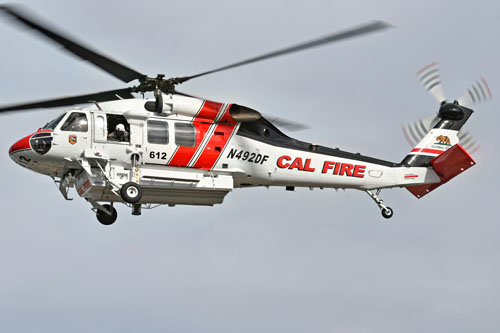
(76, 122)
(52, 124)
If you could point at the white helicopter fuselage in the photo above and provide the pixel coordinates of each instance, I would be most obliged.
(175, 149)
(193, 153)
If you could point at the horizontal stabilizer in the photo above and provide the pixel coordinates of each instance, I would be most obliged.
(448, 165)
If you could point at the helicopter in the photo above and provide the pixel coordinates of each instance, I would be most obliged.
(177, 149)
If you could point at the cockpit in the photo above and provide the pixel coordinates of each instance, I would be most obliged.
(76, 122)
(51, 125)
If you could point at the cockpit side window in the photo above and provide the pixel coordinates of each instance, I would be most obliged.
(52, 124)
(76, 122)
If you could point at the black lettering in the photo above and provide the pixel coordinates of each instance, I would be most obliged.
(24, 159)
(247, 156)
(232, 153)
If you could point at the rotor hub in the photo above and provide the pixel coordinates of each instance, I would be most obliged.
(451, 111)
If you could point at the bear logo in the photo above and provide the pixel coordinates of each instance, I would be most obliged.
(443, 140)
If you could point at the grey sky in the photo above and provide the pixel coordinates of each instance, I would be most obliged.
(265, 260)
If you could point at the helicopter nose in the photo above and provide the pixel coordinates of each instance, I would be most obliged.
(29, 149)
(20, 146)
(20, 152)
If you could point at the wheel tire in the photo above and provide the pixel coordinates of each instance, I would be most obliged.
(131, 192)
(104, 217)
(387, 212)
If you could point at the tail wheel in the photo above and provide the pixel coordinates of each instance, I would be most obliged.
(131, 192)
(104, 217)
(387, 212)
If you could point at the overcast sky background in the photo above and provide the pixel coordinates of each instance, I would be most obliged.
(265, 260)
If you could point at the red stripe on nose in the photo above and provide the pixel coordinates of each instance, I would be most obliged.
(22, 144)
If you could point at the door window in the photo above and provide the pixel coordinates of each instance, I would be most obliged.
(185, 134)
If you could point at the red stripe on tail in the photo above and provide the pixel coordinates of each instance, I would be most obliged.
(427, 150)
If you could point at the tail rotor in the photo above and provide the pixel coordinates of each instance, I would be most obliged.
(430, 78)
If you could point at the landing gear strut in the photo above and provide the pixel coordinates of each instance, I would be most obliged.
(131, 192)
(387, 212)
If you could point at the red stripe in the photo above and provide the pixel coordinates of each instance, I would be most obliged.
(209, 111)
(184, 154)
(217, 142)
(426, 150)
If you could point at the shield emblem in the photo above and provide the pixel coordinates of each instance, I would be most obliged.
(72, 139)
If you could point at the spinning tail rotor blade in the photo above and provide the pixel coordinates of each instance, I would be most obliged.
(103, 96)
(431, 80)
(477, 93)
(415, 131)
(467, 141)
(109, 65)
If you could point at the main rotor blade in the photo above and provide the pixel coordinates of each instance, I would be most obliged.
(357, 31)
(285, 124)
(72, 100)
(114, 68)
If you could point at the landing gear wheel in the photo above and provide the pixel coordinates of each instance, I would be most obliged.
(104, 217)
(387, 212)
(131, 192)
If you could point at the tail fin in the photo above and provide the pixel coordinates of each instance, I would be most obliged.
(448, 165)
(441, 137)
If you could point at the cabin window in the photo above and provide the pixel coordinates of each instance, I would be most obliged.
(157, 132)
(185, 134)
(76, 122)
(116, 124)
